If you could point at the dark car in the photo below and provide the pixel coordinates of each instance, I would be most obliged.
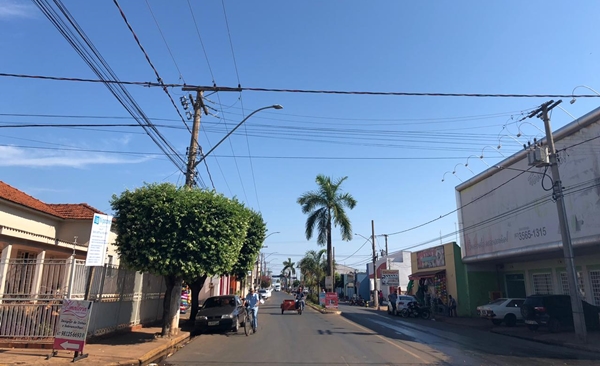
(220, 313)
(554, 311)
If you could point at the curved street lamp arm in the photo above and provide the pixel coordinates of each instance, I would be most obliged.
(275, 106)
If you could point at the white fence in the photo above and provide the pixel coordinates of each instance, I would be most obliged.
(32, 292)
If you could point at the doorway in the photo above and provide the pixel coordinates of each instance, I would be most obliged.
(515, 285)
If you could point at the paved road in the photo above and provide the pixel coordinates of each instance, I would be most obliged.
(365, 337)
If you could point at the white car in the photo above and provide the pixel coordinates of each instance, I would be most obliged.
(265, 294)
(507, 310)
(401, 303)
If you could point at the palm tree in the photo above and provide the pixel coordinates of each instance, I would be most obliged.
(324, 206)
(289, 266)
(313, 268)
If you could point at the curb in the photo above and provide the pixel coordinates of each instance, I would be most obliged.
(549, 342)
(156, 353)
(323, 311)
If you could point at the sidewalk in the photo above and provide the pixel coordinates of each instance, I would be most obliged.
(564, 339)
(137, 347)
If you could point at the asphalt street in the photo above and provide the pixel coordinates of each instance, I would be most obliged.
(363, 336)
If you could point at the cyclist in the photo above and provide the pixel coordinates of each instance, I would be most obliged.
(252, 301)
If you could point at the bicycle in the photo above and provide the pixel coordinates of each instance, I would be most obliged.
(249, 321)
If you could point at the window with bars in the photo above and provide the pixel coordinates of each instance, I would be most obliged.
(595, 281)
(565, 283)
(542, 283)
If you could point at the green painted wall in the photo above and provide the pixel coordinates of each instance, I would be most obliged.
(479, 285)
(462, 295)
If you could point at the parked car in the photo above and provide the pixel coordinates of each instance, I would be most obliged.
(265, 294)
(554, 311)
(220, 313)
(507, 310)
(402, 301)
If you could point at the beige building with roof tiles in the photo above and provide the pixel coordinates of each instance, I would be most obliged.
(33, 232)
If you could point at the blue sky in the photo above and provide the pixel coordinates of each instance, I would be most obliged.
(395, 150)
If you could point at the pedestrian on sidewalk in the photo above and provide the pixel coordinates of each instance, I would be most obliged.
(452, 305)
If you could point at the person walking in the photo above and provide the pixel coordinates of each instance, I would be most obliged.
(252, 300)
(452, 305)
(392, 298)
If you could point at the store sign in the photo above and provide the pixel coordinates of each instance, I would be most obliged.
(390, 277)
(72, 325)
(98, 240)
(431, 258)
(331, 300)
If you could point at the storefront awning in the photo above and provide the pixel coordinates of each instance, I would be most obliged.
(425, 274)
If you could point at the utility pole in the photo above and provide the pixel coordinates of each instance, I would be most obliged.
(375, 294)
(386, 246)
(333, 261)
(193, 150)
(557, 195)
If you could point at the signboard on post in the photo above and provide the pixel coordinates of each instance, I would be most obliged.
(72, 326)
(390, 277)
(331, 300)
(98, 240)
(328, 282)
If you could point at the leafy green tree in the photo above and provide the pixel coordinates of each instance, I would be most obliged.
(288, 267)
(178, 233)
(325, 206)
(313, 268)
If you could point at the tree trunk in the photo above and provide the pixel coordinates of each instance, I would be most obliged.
(196, 287)
(170, 305)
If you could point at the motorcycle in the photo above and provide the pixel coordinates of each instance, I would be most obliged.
(299, 306)
(414, 310)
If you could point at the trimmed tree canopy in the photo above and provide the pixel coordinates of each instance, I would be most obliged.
(255, 237)
(179, 232)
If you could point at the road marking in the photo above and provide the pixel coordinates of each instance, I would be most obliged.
(387, 340)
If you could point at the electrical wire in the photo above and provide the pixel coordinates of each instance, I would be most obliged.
(461, 207)
(165, 41)
(106, 75)
(201, 43)
(302, 91)
(158, 78)
(243, 112)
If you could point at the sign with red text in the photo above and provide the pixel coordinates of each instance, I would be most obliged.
(331, 300)
(72, 325)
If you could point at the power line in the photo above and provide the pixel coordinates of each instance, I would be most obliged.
(92, 57)
(165, 41)
(461, 207)
(201, 43)
(304, 91)
(158, 78)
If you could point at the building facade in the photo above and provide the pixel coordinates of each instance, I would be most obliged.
(509, 222)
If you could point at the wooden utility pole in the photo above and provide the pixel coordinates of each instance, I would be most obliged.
(193, 150)
(375, 293)
(386, 246)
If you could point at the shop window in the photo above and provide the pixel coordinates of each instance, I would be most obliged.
(565, 283)
(542, 283)
(595, 281)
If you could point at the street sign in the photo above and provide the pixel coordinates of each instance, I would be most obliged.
(98, 240)
(390, 277)
(72, 325)
(328, 282)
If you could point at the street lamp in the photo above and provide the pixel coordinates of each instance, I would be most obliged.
(581, 86)
(274, 106)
